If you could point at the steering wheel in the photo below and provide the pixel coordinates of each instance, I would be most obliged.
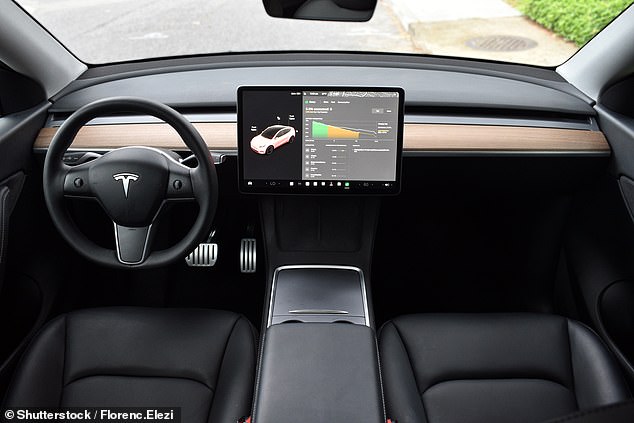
(131, 184)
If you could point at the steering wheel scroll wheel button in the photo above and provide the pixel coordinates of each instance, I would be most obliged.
(76, 183)
(179, 184)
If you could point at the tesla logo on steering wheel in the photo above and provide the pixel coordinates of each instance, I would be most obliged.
(125, 178)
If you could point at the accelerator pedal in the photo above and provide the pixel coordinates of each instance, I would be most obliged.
(248, 255)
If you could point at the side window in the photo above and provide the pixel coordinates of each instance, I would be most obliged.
(282, 132)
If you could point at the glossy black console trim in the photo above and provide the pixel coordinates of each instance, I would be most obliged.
(270, 316)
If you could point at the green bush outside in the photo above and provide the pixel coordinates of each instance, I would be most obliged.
(576, 20)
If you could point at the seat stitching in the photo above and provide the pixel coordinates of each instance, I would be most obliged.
(494, 379)
(409, 360)
(572, 368)
(256, 347)
(224, 353)
(138, 376)
(61, 391)
(378, 362)
(258, 374)
(256, 350)
(5, 194)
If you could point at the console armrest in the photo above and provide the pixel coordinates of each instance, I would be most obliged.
(319, 372)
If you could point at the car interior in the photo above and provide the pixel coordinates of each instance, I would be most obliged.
(441, 239)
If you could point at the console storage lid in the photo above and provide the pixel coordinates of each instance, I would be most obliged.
(319, 372)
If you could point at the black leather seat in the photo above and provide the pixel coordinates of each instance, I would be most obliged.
(200, 360)
(494, 368)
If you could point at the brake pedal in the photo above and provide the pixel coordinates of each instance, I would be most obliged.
(205, 255)
(247, 255)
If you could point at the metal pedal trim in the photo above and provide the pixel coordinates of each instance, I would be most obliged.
(248, 255)
(205, 255)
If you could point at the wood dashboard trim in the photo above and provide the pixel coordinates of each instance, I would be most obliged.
(416, 137)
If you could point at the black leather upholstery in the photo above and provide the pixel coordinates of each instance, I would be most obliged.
(200, 360)
(494, 368)
(319, 373)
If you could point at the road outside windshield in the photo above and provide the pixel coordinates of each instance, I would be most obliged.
(539, 32)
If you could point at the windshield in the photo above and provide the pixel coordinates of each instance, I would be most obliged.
(538, 32)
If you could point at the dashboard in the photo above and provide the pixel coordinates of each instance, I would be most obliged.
(450, 108)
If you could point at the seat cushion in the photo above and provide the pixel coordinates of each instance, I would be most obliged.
(200, 360)
(494, 368)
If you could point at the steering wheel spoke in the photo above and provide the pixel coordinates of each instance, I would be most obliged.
(133, 244)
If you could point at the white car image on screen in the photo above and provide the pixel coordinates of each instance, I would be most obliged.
(272, 138)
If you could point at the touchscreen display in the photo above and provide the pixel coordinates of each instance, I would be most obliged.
(320, 140)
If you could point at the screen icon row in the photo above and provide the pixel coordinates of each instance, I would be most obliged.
(306, 183)
(324, 184)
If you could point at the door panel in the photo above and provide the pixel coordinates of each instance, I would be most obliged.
(10, 189)
(23, 111)
(600, 242)
(17, 133)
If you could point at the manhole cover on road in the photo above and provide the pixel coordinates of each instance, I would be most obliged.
(501, 43)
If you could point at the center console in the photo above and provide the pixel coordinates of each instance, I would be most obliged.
(319, 357)
(322, 156)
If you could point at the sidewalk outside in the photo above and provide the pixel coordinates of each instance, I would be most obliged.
(449, 26)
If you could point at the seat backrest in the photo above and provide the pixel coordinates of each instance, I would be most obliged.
(494, 367)
(201, 361)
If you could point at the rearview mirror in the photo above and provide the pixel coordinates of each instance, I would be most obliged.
(322, 10)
